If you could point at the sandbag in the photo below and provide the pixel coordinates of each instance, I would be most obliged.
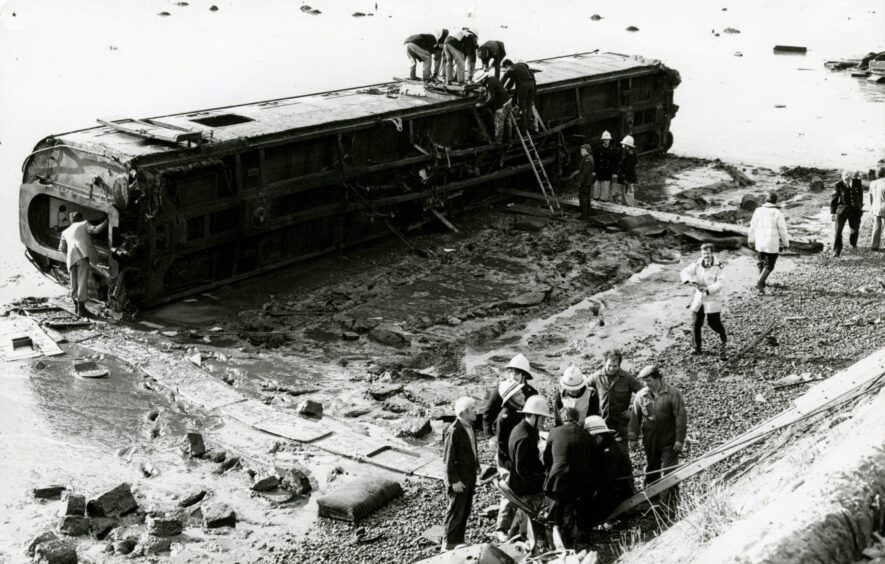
(357, 499)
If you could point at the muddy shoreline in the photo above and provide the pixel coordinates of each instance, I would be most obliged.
(437, 325)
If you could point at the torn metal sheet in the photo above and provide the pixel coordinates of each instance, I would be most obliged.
(12, 328)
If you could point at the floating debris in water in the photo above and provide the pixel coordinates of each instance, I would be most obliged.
(164, 14)
(738, 54)
(306, 8)
(731, 30)
(632, 28)
(182, 4)
(314, 12)
(358, 15)
(112, 47)
(595, 17)
(780, 106)
(213, 8)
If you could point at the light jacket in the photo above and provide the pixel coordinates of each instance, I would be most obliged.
(660, 416)
(710, 277)
(768, 229)
(76, 241)
(877, 197)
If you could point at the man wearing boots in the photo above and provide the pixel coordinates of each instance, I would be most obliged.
(705, 275)
(605, 159)
(76, 243)
(768, 231)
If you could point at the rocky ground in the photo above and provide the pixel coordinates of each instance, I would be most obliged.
(386, 338)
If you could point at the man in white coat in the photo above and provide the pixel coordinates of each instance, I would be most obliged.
(705, 274)
(768, 235)
(877, 207)
(76, 242)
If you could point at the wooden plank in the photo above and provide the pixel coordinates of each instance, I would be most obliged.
(249, 412)
(208, 393)
(855, 376)
(293, 427)
(444, 221)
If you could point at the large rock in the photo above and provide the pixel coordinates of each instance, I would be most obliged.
(194, 445)
(100, 527)
(295, 479)
(219, 515)
(160, 527)
(73, 525)
(414, 427)
(381, 392)
(48, 492)
(310, 408)
(38, 540)
(389, 336)
(73, 504)
(114, 503)
(125, 546)
(57, 551)
(265, 483)
(150, 545)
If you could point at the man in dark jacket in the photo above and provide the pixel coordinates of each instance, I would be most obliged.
(627, 171)
(492, 52)
(527, 473)
(499, 102)
(614, 387)
(569, 459)
(508, 418)
(658, 410)
(423, 48)
(605, 159)
(612, 474)
(462, 466)
(517, 369)
(520, 77)
(846, 206)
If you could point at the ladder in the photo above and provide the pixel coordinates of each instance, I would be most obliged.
(528, 146)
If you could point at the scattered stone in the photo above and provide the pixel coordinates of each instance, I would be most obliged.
(356, 412)
(192, 499)
(100, 527)
(389, 336)
(149, 545)
(38, 540)
(334, 473)
(414, 427)
(59, 551)
(397, 405)
(310, 408)
(381, 392)
(73, 525)
(219, 515)
(49, 492)
(278, 496)
(73, 504)
(124, 546)
(817, 184)
(163, 527)
(227, 464)
(350, 336)
(294, 479)
(266, 483)
(216, 456)
(194, 445)
(114, 503)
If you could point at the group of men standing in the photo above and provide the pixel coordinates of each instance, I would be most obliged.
(846, 206)
(582, 471)
(607, 173)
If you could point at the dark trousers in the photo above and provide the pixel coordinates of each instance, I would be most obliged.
(660, 456)
(714, 320)
(563, 508)
(457, 514)
(584, 193)
(525, 99)
(851, 216)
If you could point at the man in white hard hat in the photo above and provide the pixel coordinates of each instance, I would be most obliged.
(76, 243)
(627, 171)
(612, 474)
(605, 159)
(569, 457)
(462, 466)
(508, 418)
(517, 369)
(527, 472)
(659, 413)
(572, 392)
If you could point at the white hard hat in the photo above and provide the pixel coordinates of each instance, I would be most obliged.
(595, 425)
(572, 379)
(536, 405)
(628, 141)
(606, 135)
(520, 362)
(509, 388)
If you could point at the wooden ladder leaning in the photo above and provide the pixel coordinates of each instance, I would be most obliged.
(528, 146)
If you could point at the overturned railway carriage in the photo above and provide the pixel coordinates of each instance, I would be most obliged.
(200, 199)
